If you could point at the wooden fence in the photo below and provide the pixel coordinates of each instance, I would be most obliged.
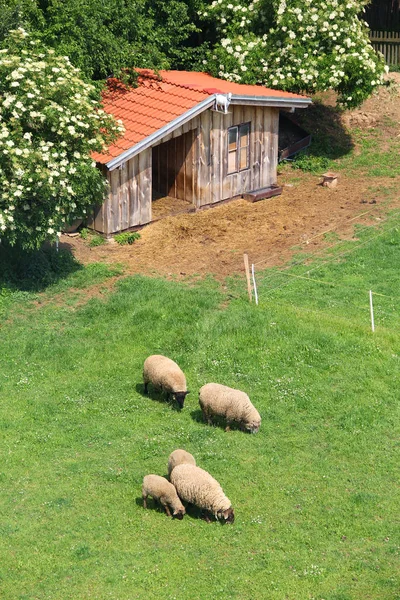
(387, 42)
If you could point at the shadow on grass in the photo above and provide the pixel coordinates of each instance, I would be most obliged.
(156, 396)
(330, 139)
(197, 416)
(192, 512)
(34, 271)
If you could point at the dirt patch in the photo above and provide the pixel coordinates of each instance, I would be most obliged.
(161, 207)
(381, 110)
(270, 231)
(213, 241)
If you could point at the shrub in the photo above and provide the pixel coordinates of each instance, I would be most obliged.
(50, 122)
(96, 240)
(127, 237)
(84, 232)
(300, 46)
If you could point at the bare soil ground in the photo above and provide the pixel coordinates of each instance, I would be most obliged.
(214, 240)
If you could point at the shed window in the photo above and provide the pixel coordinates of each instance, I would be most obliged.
(238, 148)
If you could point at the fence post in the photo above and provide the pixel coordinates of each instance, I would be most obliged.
(246, 267)
(371, 310)
(254, 284)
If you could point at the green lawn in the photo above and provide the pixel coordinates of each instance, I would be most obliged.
(315, 492)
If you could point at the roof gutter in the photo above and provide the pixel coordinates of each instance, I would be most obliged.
(273, 101)
(160, 133)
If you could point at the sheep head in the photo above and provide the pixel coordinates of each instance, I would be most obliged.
(253, 426)
(226, 516)
(179, 513)
(180, 397)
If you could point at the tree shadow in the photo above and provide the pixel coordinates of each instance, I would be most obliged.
(330, 138)
(34, 271)
(156, 396)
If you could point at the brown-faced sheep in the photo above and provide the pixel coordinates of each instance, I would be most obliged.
(164, 492)
(179, 457)
(164, 374)
(233, 405)
(196, 486)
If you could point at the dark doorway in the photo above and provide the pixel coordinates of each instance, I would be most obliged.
(173, 175)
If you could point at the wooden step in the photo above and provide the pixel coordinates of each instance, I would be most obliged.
(263, 193)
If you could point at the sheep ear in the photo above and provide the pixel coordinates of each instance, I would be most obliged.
(188, 392)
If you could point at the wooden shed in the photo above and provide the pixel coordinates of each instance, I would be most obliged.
(191, 137)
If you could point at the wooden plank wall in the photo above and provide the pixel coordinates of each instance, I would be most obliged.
(173, 167)
(129, 200)
(213, 182)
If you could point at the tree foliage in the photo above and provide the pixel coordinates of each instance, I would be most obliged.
(50, 121)
(296, 45)
(102, 37)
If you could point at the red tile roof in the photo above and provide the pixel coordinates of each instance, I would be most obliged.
(161, 98)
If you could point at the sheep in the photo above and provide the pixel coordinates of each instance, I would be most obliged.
(164, 373)
(178, 457)
(164, 492)
(233, 405)
(196, 486)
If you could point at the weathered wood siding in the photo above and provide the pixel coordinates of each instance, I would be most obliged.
(191, 163)
(173, 167)
(209, 153)
(129, 200)
(213, 182)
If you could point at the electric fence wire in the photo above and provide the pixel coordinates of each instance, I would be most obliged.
(327, 262)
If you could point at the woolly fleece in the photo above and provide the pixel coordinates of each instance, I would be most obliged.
(179, 457)
(196, 486)
(233, 405)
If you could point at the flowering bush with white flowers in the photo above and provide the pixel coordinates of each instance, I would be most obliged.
(296, 45)
(50, 122)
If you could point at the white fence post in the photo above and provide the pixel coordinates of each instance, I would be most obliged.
(372, 310)
(254, 284)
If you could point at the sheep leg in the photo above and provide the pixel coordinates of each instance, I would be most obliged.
(228, 426)
(206, 417)
(165, 505)
(144, 496)
(146, 384)
(205, 517)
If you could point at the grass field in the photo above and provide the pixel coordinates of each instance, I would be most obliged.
(315, 492)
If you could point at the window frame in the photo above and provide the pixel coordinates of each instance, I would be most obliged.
(237, 150)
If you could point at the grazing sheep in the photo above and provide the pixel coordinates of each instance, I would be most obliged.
(234, 405)
(164, 373)
(164, 492)
(196, 486)
(179, 457)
